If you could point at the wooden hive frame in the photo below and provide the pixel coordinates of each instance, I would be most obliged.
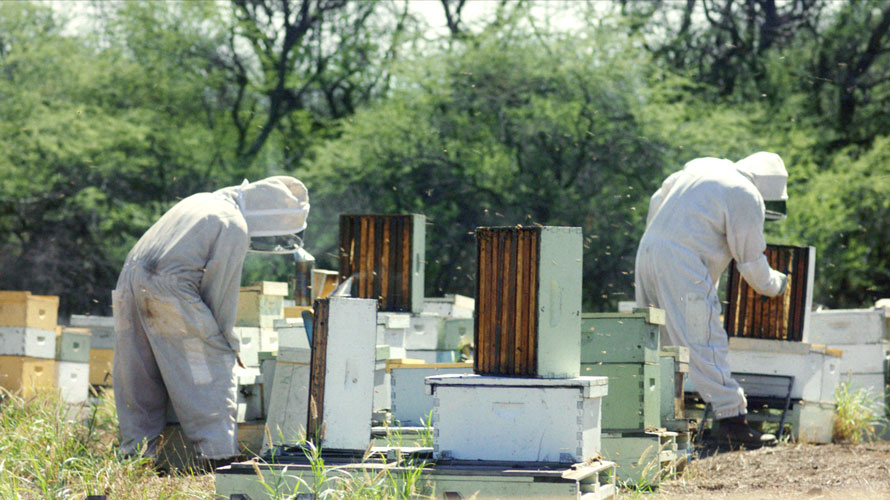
(749, 314)
(507, 301)
(384, 253)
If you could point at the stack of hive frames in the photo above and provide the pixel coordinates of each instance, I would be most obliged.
(384, 254)
(749, 314)
(528, 301)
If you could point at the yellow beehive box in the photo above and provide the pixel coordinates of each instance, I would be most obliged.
(100, 366)
(260, 304)
(33, 311)
(20, 373)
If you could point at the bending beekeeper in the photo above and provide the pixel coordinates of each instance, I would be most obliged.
(175, 306)
(703, 216)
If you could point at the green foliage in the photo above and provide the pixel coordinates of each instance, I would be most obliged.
(842, 211)
(501, 132)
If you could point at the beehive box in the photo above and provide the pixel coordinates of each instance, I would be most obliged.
(674, 363)
(249, 344)
(32, 311)
(528, 301)
(528, 419)
(847, 326)
(393, 329)
(642, 459)
(73, 381)
(426, 332)
(621, 337)
(450, 306)
(324, 282)
(27, 341)
(101, 362)
(634, 400)
(73, 344)
(786, 317)
(101, 329)
(384, 254)
(341, 384)
(288, 408)
(260, 304)
(816, 369)
(410, 403)
(27, 375)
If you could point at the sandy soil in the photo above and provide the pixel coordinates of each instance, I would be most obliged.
(788, 472)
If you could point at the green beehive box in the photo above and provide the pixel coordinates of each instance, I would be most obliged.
(634, 400)
(674, 365)
(621, 337)
(73, 344)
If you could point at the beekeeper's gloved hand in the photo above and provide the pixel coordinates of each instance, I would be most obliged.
(783, 284)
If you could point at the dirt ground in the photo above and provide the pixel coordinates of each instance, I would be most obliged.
(788, 472)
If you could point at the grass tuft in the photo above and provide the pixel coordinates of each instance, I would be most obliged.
(858, 414)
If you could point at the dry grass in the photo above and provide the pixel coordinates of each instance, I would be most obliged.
(52, 450)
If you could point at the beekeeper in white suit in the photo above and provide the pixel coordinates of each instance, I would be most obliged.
(702, 217)
(175, 306)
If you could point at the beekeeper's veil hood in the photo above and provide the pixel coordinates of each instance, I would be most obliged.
(275, 209)
(767, 172)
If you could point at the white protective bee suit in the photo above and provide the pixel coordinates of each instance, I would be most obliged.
(703, 216)
(174, 311)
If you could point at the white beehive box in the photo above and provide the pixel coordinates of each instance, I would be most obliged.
(267, 368)
(863, 358)
(268, 340)
(411, 405)
(289, 404)
(392, 328)
(26, 341)
(343, 361)
(847, 326)
(101, 329)
(816, 369)
(73, 381)
(425, 332)
(516, 419)
(382, 386)
(291, 333)
(450, 306)
(250, 344)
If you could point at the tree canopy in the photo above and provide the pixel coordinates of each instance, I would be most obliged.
(111, 114)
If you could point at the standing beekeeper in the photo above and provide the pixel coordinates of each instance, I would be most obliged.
(175, 306)
(702, 217)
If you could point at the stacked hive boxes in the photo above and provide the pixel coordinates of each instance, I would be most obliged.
(259, 307)
(526, 395)
(27, 341)
(642, 401)
(73, 364)
(862, 336)
(101, 346)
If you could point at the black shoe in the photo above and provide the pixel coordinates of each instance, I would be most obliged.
(736, 430)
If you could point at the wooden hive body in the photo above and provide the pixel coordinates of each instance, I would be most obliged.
(528, 301)
(385, 255)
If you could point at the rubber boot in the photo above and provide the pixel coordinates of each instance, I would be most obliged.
(736, 430)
